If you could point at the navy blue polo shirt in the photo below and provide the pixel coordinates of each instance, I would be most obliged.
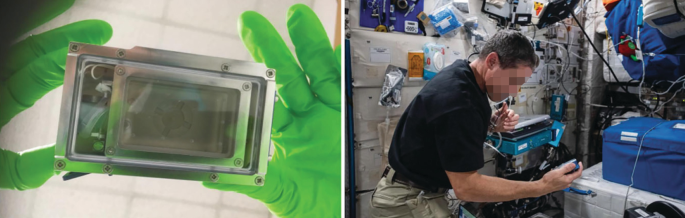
(443, 129)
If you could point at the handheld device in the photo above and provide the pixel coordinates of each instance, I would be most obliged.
(572, 161)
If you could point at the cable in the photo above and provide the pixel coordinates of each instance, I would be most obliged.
(658, 98)
(104, 86)
(632, 182)
(493, 147)
(92, 69)
(682, 14)
(500, 141)
(568, 65)
(642, 80)
(669, 100)
(494, 126)
(609, 106)
(471, 55)
(680, 79)
(604, 60)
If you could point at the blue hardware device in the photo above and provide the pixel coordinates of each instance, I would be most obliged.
(523, 145)
(558, 108)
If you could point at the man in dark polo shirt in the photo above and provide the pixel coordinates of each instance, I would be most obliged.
(438, 142)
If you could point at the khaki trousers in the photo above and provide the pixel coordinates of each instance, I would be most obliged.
(393, 199)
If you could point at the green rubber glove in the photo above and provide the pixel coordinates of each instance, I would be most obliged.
(303, 178)
(34, 67)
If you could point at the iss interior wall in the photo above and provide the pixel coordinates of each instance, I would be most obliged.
(368, 78)
(206, 27)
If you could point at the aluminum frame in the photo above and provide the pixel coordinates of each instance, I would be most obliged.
(80, 54)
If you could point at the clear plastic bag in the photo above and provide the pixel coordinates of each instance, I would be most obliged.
(446, 19)
(474, 31)
(394, 80)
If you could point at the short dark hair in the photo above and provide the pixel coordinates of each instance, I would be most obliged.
(512, 48)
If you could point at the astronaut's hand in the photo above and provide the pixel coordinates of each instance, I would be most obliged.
(561, 178)
(303, 177)
(505, 118)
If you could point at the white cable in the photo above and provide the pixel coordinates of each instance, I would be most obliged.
(578, 56)
(680, 79)
(625, 202)
(92, 69)
(568, 65)
(642, 81)
(617, 107)
(493, 148)
(102, 87)
(669, 100)
(558, 46)
(612, 46)
(499, 144)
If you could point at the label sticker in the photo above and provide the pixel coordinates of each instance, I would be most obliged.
(411, 26)
(679, 126)
(523, 146)
(522, 97)
(445, 23)
(519, 161)
(629, 139)
(631, 134)
(557, 104)
(380, 55)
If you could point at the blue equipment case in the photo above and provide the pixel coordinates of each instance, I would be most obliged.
(661, 166)
(523, 145)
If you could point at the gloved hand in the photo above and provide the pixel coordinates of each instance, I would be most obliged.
(303, 177)
(34, 67)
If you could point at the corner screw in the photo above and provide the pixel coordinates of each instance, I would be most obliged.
(225, 67)
(74, 48)
(110, 151)
(247, 86)
(121, 71)
(213, 177)
(270, 73)
(238, 162)
(60, 164)
(107, 169)
(121, 53)
(259, 180)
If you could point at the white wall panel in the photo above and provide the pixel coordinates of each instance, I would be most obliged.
(369, 164)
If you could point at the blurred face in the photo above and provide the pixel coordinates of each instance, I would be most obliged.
(502, 83)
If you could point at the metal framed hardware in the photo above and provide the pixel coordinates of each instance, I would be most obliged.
(165, 114)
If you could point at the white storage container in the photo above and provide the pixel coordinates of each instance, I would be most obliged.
(610, 198)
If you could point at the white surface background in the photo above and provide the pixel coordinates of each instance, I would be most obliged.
(206, 27)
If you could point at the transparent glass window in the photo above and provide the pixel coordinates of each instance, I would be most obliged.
(179, 118)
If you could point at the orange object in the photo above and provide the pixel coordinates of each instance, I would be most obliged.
(538, 6)
(610, 4)
(415, 62)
